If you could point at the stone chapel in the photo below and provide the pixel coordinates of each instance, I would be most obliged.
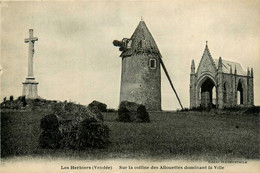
(220, 83)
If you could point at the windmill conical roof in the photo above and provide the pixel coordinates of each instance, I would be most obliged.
(142, 41)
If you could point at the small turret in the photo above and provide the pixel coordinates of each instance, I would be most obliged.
(192, 67)
(230, 69)
(252, 73)
(248, 72)
(220, 64)
(235, 69)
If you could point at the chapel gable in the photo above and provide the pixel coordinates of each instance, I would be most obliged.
(206, 64)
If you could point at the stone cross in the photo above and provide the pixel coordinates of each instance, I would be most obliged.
(31, 41)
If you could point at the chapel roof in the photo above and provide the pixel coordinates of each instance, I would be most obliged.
(230, 64)
(142, 41)
(226, 65)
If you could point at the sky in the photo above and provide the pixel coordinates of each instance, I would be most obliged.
(75, 60)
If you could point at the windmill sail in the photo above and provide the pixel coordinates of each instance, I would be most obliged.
(167, 75)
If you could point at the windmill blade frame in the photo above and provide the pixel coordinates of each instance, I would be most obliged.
(169, 79)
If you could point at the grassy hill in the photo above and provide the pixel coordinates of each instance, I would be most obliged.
(170, 135)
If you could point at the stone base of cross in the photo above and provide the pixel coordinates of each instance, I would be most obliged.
(30, 88)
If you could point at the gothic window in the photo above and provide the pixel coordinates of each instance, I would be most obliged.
(240, 99)
(140, 44)
(151, 45)
(224, 93)
(152, 63)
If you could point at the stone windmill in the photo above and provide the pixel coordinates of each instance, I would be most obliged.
(141, 74)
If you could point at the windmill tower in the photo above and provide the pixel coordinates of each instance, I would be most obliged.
(141, 73)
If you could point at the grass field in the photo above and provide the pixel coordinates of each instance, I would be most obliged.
(170, 135)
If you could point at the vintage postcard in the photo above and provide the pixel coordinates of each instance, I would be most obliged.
(130, 86)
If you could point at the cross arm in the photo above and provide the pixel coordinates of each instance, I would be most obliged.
(30, 39)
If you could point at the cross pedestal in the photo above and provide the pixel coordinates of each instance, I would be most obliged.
(30, 90)
(30, 85)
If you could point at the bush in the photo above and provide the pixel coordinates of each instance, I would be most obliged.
(185, 110)
(234, 108)
(253, 110)
(24, 101)
(201, 109)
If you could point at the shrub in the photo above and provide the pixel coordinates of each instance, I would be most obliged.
(253, 110)
(201, 109)
(24, 101)
(185, 110)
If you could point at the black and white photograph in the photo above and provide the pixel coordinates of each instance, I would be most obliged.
(125, 86)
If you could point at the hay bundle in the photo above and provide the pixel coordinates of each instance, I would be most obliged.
(51, 135)
(50, 122)
(50, 139)
(142, 114)
(72, 126)
(102, 107)
(123, 114)
(89, 127)
(132, 112)
(96, 112)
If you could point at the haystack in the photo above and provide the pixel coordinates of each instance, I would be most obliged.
(72, 126)
(132, 112)
(102, 107)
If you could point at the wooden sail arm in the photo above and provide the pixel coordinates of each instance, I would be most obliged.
(166, 73)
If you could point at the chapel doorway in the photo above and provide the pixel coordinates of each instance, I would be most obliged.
(208, 94)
